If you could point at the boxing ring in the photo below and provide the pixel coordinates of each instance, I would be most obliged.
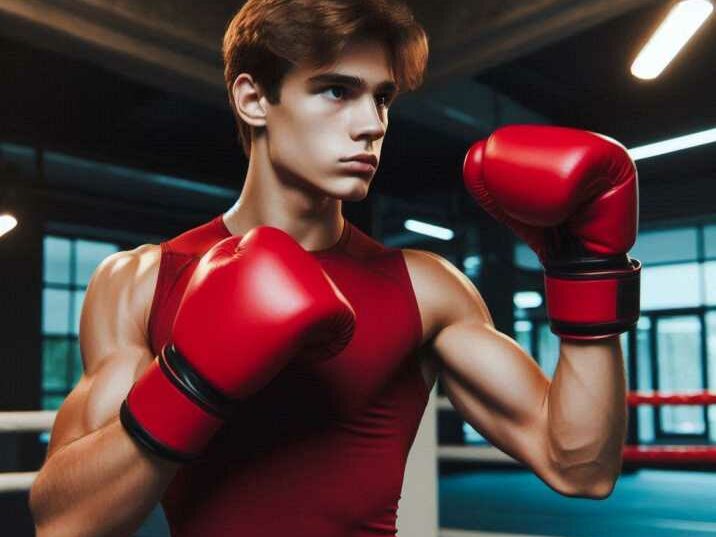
(421, 484)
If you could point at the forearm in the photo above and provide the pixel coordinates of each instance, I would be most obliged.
(100, 485)
(587, 413)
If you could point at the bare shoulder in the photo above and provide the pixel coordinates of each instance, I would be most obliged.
(445, 295)
(121, 288)
(114, 342)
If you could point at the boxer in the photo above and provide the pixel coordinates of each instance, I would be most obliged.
(265, 373)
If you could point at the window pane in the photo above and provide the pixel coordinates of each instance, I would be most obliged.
(56, 260)
(644, 382)
(666, 245)
(710, 241)
(79, 298)
(645, 428)
(55, 352)
(55, 311)
(89, 255)
(710, 281)
(711, 353)
(76, 361)
(624, 341)
(672, 286)
(679, 366)
(548, 345)
(644, 379)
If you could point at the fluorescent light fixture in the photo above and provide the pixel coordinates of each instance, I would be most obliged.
(527, 299)
(674, 144)
(7, 223)
(675, 31)
(431, 230)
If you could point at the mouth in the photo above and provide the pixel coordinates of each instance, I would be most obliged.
(363, 163)
(358, 167)
(367, 158)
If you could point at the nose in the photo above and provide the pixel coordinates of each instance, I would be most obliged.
(369, 121)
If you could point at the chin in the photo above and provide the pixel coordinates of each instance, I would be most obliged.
(348, 189)
(358, 192)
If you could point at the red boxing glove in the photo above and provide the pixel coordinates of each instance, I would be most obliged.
(251, 305)
(571, 195)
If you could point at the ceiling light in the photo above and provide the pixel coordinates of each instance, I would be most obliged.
(430, 230)
(675, 31)
(674, 144)
(7, 223)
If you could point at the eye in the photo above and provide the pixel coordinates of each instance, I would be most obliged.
(383, 100)
(339, 90)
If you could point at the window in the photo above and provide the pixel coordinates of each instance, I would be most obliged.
(671, 286)
(666, 246)
(673, 346)
(678, 295)
(68, 265)
(679, 369)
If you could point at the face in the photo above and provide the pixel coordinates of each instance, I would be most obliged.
(327, 116)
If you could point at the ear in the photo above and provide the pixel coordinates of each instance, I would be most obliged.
(249, 100)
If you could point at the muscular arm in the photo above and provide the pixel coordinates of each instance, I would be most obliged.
(96, 480)
(569, 431)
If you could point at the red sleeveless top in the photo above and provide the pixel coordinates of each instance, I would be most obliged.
(321, 450)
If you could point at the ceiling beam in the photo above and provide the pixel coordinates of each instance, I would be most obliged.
(475, 40)
(147, 50)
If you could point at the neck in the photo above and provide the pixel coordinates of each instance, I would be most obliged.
(313, 219)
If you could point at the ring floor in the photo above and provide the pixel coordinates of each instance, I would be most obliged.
(647, 503)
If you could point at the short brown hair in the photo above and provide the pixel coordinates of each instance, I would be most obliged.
(266, 38)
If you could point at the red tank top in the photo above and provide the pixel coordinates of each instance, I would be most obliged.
(321, 450)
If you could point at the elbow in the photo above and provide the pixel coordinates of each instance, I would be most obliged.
(599, 490)
(592, 481)
(36, 504)
(579, 476)
(34, 501)
(40, 510)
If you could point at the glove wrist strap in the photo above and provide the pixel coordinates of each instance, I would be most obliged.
(592, 298)
(171, 411)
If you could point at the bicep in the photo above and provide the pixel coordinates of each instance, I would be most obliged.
(496, 387)
(491, 381)
(113, 344)
(494, 384)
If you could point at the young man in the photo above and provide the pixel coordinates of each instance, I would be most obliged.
(258, 374)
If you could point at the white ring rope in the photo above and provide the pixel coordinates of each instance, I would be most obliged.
(42, 421)
(27, 422)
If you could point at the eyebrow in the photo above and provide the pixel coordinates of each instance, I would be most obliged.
(353, 81)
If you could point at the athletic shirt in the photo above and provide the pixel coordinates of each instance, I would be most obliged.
(321, 450)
